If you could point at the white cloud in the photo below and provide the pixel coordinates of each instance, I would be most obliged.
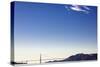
(78, 8)
(86, 7)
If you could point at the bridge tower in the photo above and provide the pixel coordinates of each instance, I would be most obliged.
(40, 58)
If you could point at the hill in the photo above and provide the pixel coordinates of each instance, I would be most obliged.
(79, 57)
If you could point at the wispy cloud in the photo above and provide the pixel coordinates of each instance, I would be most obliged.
(87, 8)
(78, 8)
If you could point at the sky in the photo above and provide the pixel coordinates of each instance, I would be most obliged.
(53, 30)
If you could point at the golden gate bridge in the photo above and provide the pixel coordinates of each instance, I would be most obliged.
(40, 61)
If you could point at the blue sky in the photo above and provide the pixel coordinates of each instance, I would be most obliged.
(54, 29)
